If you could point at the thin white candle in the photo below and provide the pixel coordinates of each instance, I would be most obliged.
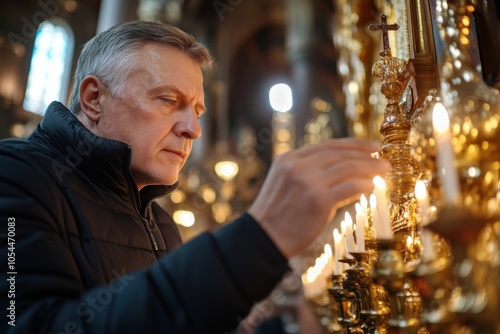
(337, 240)
(360, 228)
(349, 233)
(343, 245)
(422, 201)
(382, 209)
(329, 264)
(425, 234)
(364, 205)
(445, 156)
(375, 218)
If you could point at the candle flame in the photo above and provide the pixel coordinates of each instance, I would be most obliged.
(358, 208)
(379, 182)
(328, 250)
(348, 219)
(420, 190)
(337, 236)
(440, 119)
(363, 201)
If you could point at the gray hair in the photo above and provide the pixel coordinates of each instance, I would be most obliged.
(109, 55)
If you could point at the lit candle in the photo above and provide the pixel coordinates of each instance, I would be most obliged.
(360, 228)
(374, 213)
(337, 240)
(445, 155)
(309, 283)
(343, 246)
(349, 233)
(426, 236)
(382, 209)
(329, 264)
(422, 201)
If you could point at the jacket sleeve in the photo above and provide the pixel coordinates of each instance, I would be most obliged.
(206, 286)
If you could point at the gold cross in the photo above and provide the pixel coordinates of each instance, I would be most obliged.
(384, 27)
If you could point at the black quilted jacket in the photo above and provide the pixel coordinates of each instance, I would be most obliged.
(87, 250)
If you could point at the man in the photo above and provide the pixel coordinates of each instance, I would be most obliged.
(84, 239)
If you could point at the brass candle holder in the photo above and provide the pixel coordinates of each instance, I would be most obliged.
(474, 298)
(389, 288)
(346, 301)
(390, 272)
(433, 280)
(373, 310)
(327, 311)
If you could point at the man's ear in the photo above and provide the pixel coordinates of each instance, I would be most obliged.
(91, 89)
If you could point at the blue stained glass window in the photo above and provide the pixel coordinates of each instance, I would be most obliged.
(50, 67)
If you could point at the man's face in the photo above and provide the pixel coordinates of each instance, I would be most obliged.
(157, 113)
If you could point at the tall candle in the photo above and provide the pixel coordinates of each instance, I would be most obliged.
(445, 156)
(343, 245)
(364, 205)
(374, 214)
(360, 228)
(337, 240)
(382, 209)
(422, 201)
(426, 236)
(349, 233)
(329, 263)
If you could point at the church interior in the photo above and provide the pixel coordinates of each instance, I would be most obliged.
(291, 73)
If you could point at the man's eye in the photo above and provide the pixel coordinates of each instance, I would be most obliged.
(170, 101)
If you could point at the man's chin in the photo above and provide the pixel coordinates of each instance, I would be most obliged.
(157, 180)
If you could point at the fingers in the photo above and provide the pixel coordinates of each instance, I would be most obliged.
(349, 191)
(352, 158)
(303, 186)
(329, 153)
(339, 144)
(366, 168)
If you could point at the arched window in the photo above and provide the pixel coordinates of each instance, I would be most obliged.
(50, 67)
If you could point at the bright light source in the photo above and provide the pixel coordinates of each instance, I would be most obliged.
(280, 97)
(226, 170)
(440, 118)
(184, 218)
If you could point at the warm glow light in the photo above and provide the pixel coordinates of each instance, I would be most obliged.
(280, 97)
(226, 170)
(445, 155)
(221, 212)
(409, 240)
(420, 190)
(363, 201)
(379, 182)
(440, 118)
(184, 218)
(177, 196)
(328, 250)
(208, 194)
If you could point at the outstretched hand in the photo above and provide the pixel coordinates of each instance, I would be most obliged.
(305, 187)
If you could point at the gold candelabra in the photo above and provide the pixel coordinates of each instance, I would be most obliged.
(438, 271)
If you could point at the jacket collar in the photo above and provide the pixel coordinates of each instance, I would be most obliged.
(104, 161)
